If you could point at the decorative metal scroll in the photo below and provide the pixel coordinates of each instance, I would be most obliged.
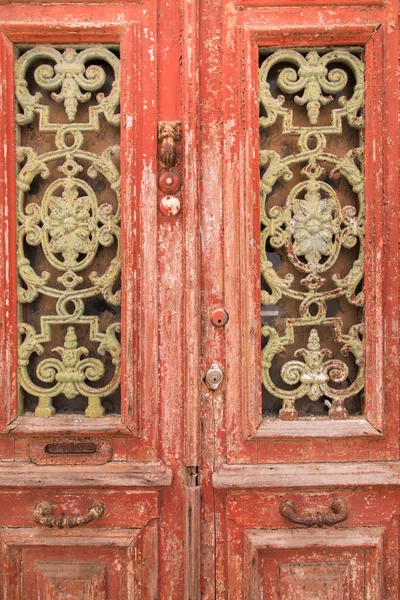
(63, 227)
(306, 217)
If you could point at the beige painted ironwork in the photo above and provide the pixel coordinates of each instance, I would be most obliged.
(69, 224)
(312, 226)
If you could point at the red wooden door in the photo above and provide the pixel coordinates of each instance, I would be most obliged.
(199, 358)
(91, 403)
(302, 437)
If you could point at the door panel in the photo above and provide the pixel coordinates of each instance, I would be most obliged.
(350, 559)
(253, 423)
(132, 166)
(340, 566)
(106, 564)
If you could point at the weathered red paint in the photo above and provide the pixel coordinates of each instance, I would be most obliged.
(239, 519)
(192, 480)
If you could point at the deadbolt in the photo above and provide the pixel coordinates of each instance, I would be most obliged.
(214, 377)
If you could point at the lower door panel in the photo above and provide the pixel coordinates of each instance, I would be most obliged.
(305, 565)
(97, 564)
(272, 558)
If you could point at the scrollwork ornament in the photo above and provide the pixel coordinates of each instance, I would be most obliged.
(313, 225)
(312, 75)
(67, 72)
(68, 224)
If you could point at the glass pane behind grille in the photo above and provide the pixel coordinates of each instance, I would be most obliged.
(68, 199)
(312, 232)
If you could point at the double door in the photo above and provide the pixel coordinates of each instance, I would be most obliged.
(199, 349)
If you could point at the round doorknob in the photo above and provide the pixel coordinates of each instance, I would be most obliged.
(170, 206)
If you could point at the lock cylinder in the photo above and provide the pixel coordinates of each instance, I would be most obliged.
(214, 377)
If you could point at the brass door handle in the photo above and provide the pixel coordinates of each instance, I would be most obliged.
(43, 515)
(337, 514)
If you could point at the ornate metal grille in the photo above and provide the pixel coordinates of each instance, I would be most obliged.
(68, 210)
(312, 231)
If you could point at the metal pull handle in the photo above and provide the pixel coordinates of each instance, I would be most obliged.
(44, 516)
(337, 514)
(169, 132)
